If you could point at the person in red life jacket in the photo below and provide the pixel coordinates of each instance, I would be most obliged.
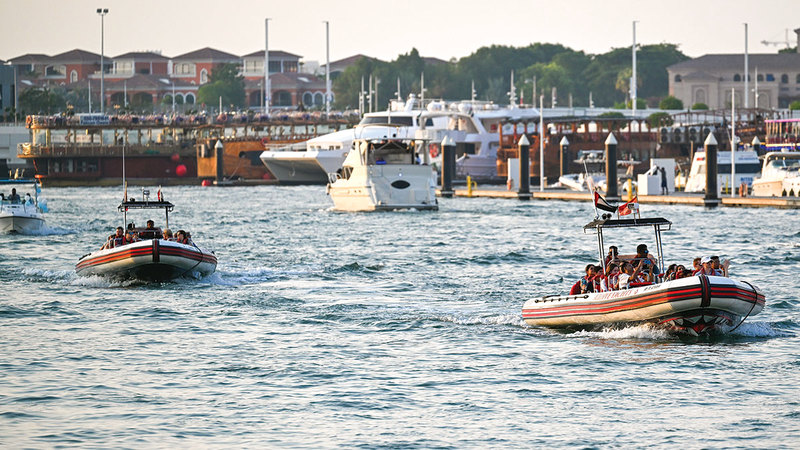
(705, 267)
(630, 275)
(696, 266)
(587, 282)
(115, 240)
(180, 237)
(613, 255)
(610, 282)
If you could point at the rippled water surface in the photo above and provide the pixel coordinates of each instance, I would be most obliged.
(400, 329)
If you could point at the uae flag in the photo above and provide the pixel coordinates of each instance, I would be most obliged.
(629, 207)
(600, 202)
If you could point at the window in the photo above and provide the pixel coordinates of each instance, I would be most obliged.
(185, 69)
(797, 80)
(55, 71)
(123, 67)
(189, 99)
(760, 77)
(274, 67)
(737, 77)
(784, 78)
(770, 77)
(308, 99)
(73, 76)
(253, 66)
(677, 78)
(203, 76)
(290, 66)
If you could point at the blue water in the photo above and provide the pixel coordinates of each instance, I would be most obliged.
(403, 329)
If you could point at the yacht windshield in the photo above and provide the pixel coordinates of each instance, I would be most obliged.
(394, 120)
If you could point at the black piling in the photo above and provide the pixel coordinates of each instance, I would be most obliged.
(219, 151)
(611, 168)
(564, 145)
(524, 190)
(712, 197)
(448, 166)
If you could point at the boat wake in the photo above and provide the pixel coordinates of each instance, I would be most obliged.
(51, 231)
(503, 319)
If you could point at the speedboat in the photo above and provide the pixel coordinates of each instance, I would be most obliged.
(747, 168)
(383, 175)
(23, 215)
(150, 258)
(780, 175)
(692, 305)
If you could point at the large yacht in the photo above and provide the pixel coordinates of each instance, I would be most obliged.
(311, 162)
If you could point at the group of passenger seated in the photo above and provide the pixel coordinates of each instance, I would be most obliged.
(627, 271)
(132, 234)
(15, 199)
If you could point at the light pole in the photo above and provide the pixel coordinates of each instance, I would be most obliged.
(102, 12)
(328, 70)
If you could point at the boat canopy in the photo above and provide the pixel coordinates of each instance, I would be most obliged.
(146, 204)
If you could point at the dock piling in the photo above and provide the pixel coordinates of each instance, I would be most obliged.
(564, 144)
(524, 190)
(611, 168)
(219, 153)
(448, 166)
(711, 198)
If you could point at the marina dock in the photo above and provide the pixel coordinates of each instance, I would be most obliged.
(678, 198)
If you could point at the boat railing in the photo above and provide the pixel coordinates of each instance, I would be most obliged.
(76, 150)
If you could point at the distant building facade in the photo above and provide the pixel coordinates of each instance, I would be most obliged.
(710, 79)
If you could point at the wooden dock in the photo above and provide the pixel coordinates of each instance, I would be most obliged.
(678, 198)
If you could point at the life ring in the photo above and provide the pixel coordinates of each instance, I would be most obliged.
(264, 141)
(434, 150)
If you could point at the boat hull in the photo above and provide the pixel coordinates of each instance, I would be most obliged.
(385, 188)
(694, 305)
(150, 260)
(307, 167)
(20, 219)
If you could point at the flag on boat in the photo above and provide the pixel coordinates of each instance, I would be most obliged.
(160, 197)
(600, 202)
(630, 207)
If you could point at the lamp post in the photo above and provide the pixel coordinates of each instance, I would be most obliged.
(328, 70)
(102, 12)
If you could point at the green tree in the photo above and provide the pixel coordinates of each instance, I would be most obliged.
(700, 107)
(658, 119)
(41, 101)
(794, 106)
(670, 102)
(226, 83)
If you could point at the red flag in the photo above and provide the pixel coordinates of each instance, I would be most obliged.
(160, 198)
(629, 207)
(600, 202)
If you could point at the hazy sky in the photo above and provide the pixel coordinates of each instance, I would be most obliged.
(384, 29)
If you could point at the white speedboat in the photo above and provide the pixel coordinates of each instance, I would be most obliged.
(693, 305)
(780, 175)
(312, 162)
(748, 167)
(148, 257)
(22, 214)
(384, 174)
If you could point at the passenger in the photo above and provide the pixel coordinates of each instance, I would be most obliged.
(680, 272)
(189, 238)
(131, 236)
(705, 267)
(611, 281)
(167, 235)
(696, 266)
(150, 231)
(2, 197)
(14, 197)
(115, 240)
(722, 269)
(28, 199)
(642, 254)
(587, 281)
(670, 273)
(180, 237)
(613, 255)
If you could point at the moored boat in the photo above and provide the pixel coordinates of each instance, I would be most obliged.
(694, 305)
(383, 175)
(151, 257)
(23, 216)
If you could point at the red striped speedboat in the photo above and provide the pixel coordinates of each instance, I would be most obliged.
(151, 258)
(694, 304)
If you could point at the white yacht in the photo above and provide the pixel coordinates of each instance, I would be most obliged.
(780, 175)
(383, 175)
(747, 169)
(312, 162)
(22, 214)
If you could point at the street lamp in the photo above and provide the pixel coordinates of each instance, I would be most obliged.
(102, 12)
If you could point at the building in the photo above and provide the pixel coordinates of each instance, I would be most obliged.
(710, 79)
(195, 67)
(288, 86)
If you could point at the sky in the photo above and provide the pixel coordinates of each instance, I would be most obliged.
(384, 29)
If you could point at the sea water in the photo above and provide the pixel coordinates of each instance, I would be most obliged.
(400, 329)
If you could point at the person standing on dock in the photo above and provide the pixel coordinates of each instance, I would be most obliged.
(664, 188)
